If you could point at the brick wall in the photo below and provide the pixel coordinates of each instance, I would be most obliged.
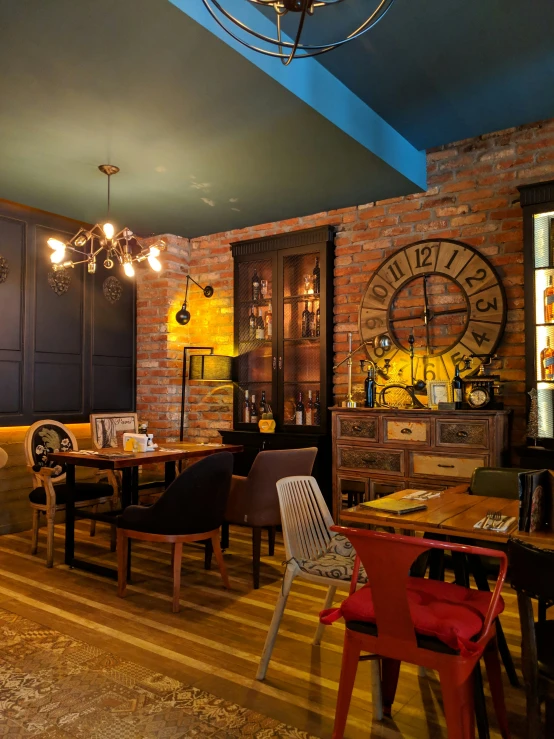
(472, 189)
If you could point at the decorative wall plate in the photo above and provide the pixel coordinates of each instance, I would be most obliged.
(112, 289)
(59, 281)
(4, 269)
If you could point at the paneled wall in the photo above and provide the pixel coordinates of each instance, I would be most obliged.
(67, 341)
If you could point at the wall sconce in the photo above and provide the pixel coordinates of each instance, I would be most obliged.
(183, 316)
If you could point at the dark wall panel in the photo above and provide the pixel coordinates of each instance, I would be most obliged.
(12, 250)
(113, 316)
(58, 388)
(10, 387)
(113, 388)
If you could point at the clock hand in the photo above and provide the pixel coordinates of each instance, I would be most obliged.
(433, 314)
(427, 316)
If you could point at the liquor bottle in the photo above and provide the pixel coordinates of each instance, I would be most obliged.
(260, 328)
(369, 389)
(317, 321)
(254, 418)
(263, 405)
(547, 361)
(268, 324)
(299, 415)
(317, 279)
(305, 321)
(317, 410)
(255, 286)
(252, 324)
(310, 410)
(312, 322)
(549, 302)
(457, 393)
(246, 407)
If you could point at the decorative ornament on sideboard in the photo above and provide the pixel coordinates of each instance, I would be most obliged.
(88, 244)
(112, 289)
(287, 43)
(59, 281)
(4, 269)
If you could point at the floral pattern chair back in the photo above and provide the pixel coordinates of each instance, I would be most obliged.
(3, 457)
(45, 437)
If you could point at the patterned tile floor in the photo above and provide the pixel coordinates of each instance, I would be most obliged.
(55, 687)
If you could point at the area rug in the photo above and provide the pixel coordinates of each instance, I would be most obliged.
(55, 687)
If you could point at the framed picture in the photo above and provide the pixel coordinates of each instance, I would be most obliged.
(108, 428)
(438, 391)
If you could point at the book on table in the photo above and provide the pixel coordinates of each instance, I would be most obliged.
(392, 505)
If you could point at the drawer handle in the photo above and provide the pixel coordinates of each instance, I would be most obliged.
(406, 431)
(357, 429)
(447, 466)
(462, 434)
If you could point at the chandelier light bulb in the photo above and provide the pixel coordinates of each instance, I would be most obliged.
(91, 266)
(56, 244)
(128, 266)
(109, 230)
(81, 241)
(58, 256)
(155, 263)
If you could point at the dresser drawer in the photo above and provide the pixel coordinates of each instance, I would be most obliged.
(386, 461)
(412, 432)
(473, 434)
(447, 465)
(358, 428)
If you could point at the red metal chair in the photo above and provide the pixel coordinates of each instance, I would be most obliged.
(430, 623)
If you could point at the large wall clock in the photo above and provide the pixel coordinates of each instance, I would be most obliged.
(443, 291)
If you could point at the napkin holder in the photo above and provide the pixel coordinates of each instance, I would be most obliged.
(138, 442)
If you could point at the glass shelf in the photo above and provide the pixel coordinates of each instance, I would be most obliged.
(301, 298)
(310, 339)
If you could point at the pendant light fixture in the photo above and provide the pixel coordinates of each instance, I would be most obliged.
(278, 46)
(88, 245)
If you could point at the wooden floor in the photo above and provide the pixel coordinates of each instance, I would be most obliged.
(215, 641)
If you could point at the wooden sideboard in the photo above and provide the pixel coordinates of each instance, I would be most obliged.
(377, 451)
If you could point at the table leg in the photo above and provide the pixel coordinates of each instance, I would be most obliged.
(126, 487)
(134, 486)
(70, 515)
(169, 473)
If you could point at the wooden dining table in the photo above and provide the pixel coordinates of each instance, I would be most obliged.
(128, 464)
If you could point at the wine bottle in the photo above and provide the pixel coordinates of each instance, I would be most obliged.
(317, 410)
(317, 321)
(254, 418)
(263, 405)
(457, 393)
(549, 302)
(299, 415)
(260, 328)
(312, 322)
(317, 279)
(246, 407)
(255, 286)
(547, 361)
(369, 389)
(310, 410)
(269, 324)
(305, 321)
(252, 324)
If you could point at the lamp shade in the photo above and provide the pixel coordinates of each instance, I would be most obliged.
(210, 367)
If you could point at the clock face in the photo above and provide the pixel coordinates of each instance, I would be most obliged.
(478, 398)
(444, 293)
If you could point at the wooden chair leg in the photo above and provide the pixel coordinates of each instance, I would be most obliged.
(350, 658)
(208, 551)
(93, 522)
(214, 544)
(113, 529)
(328, 603)
(50, 521)
(225, 535)
(457, 697)
(492, 663)
(122, 551)
(290, 574)
(177, 561)
(506, 656)
(271, 540)
(256, 555)
(34, 534)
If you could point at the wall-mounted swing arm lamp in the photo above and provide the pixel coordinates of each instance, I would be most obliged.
(183, 316)
(382, 341)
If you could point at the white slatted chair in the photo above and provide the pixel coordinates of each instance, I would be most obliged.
(306, 525)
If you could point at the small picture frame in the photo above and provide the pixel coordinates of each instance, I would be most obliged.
(107, 429)
(438, 391)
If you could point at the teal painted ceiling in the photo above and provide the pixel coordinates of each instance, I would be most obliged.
(208, 140)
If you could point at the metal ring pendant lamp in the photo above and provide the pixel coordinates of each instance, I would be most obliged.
(288, 50)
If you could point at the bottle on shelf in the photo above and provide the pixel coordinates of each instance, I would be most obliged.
(269, 324)
(260, 327)
(547, 361)
(317, 410)
(310, 410)
(317, 321)
(252, 324)
(246, 418)
(549, 302)
(305, 321)
(256, 283)
(369, 388)
(299, 413)
(263, 405)
(316, 277)
(457, 391)
(312, 321)
(254, 418)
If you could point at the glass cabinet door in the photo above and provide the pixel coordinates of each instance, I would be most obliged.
(300, 360)
(543, 235)
(255, 294)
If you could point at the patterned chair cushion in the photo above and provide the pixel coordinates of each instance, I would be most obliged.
(47, 439)
(336, 562)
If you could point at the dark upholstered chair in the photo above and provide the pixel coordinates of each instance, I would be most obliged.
(498, 482)
(253, 500)
(531, 575)
(191, 509)
(49, 490)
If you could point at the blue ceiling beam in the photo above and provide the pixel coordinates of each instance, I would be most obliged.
(322, 91)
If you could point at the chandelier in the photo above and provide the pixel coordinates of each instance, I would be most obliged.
(286, 50)
(88, 244)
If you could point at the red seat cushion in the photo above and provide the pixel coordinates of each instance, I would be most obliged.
(451, 613)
